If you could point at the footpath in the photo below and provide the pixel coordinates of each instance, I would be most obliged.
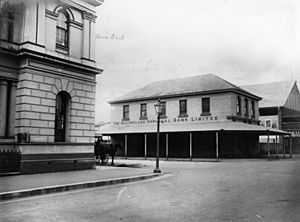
(124, 171)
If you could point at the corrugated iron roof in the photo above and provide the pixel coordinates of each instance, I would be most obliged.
(199, 84)
(273, 94)
(188, 127)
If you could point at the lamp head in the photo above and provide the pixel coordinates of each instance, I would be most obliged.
(158, 107)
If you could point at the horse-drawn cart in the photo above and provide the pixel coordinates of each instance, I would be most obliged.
(104, 149)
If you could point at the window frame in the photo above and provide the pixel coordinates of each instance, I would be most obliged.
(267, 125)
(183, 108)
(10, 26)
(143, 111)
(239, 106)
(64, 30)
(125, 112)
(9, 12)
(252, 109)
(246, 107)
(61, 134)
(205, 107)
(9, 111)
(163, 113)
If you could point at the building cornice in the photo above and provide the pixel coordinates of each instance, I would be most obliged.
(89, 16)
(210, 92)
(94, 2)
(15, 49)
(85, 68)
(81, 7)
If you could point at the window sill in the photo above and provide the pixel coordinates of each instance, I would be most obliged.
(205, 114)
(162, 116)
(143, 118)
(183, 115)
(125, 119)
(62, 49)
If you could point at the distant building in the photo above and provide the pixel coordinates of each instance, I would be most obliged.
(47, 84)
(98, 130)
(279, 107)
(203, 116)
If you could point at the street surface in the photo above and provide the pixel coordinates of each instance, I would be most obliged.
(233, 190)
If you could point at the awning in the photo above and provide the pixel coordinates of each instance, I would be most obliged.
(191, 127)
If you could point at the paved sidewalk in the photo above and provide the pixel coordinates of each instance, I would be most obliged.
(35, 184)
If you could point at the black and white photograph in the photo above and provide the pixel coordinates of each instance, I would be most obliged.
(141, 111)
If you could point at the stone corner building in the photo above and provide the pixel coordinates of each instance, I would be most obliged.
(47, 85)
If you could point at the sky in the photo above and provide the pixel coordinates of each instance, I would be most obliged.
(242, 41)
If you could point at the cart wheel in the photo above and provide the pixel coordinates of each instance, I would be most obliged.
(98, 160)
(106, 158)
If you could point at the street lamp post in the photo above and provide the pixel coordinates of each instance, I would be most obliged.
(158, 109)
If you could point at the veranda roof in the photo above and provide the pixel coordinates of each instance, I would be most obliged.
(192, 127)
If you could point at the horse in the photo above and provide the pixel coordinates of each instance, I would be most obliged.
(112, 151)
(104, 150)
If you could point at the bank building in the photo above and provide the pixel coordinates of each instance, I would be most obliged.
(203, 116)
(47, 85)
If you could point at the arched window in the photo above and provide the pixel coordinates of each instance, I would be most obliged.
(62, 113)
(62, 31)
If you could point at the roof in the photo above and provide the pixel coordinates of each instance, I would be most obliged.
(181, 127)
(200, 84)
(101, 123)
(273, 94)
(94, 2)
